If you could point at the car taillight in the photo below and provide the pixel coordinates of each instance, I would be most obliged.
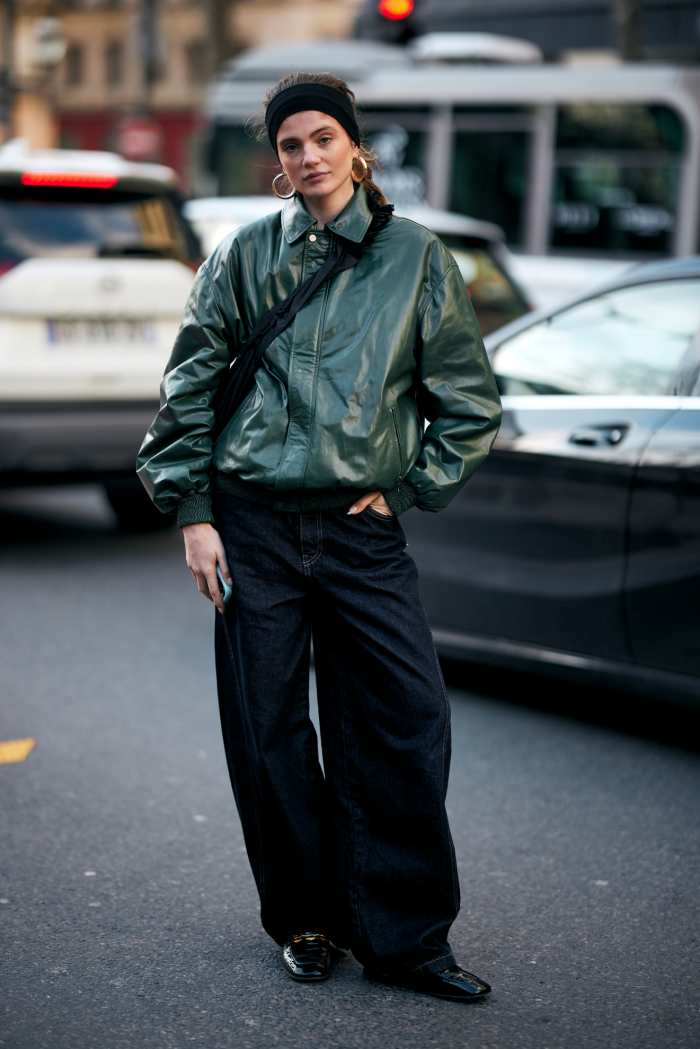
(6, 266)
(83, 180)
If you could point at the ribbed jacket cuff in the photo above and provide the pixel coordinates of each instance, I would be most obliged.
(195, 509)
(401, 498)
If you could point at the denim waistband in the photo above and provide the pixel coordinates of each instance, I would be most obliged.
(299, 499)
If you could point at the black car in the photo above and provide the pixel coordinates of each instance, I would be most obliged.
(576, 545)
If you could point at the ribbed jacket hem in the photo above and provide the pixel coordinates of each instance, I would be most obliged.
(401, 498)
(198, 508)
(300, 500)
(195, 509)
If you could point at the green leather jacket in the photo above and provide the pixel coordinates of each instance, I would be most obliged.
(341, 397)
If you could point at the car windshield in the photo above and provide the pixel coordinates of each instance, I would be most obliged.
(495, 297)
(62, 223)
(631, 340)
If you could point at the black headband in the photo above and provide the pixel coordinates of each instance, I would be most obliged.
(322, 97)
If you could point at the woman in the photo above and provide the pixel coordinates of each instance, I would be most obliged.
(298, 502)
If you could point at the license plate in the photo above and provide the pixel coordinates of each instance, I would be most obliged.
(90, 330)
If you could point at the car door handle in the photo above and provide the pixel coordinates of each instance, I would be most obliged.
(599, 436)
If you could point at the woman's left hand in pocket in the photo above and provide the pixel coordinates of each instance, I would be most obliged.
(376, 499)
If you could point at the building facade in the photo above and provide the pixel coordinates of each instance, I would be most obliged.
(134, 72)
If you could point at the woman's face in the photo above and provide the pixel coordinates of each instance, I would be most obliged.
(316, 153)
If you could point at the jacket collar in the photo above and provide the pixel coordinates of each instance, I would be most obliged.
(352, 222)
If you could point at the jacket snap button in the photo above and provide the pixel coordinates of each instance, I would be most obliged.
(312, 236)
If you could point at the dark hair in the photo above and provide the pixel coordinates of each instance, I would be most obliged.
(374, 193)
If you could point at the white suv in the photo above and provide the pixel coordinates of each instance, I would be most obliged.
(96, 262)
(478, 248)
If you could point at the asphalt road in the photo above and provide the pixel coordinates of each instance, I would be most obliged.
(127, 909)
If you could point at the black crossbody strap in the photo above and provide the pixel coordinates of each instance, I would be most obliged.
(239, 377)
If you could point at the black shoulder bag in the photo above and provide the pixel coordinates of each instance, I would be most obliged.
(241, 371)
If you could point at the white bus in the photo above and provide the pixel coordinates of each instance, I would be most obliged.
(580, 160)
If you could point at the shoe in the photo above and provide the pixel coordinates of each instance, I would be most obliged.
(453, 983)
(307, 956)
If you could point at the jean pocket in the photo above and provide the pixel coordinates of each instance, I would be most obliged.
(378, 513)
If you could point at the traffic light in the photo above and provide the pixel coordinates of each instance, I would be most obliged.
(396, 20)
(390, 21)
(395, 10)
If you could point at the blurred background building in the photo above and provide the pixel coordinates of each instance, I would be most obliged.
(131, 75)
(134, 76)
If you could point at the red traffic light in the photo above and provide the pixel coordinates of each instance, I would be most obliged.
(395, 10)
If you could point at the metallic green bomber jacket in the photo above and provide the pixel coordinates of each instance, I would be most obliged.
(342, 396)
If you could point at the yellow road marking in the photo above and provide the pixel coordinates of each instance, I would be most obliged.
(14, 750)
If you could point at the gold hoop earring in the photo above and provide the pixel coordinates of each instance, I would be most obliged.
(283, 196)
(365, 168)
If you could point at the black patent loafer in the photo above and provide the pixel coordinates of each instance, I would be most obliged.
(307, 956)
(453, 983)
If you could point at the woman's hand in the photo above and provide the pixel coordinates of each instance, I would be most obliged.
(378, 502)
(203, 549)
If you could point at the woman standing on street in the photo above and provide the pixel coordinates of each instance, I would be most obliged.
(297, 500)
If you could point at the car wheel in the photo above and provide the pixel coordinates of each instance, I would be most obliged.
(133, 509)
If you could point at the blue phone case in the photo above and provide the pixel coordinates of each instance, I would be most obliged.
(224, 586)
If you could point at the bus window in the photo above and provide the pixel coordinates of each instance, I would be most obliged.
(616, 178)
(399, 138)
(489, 177)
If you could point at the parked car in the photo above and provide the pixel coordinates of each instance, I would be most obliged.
(575, 545)
(478, 248)
(96, 262)
(552, 280)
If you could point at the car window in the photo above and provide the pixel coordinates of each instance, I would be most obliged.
(630, 341)
(62, 223)
(495, 297)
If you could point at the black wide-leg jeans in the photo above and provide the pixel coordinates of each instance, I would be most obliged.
(363, 848)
